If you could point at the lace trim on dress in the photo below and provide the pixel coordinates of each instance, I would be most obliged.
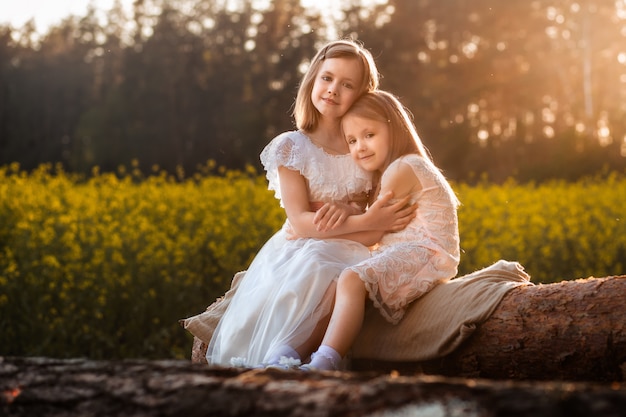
(390, 314)
(409, 263)
(337, 176)
(438, 210)
(412, 278)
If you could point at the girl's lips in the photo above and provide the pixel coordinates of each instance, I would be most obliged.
(329, 101)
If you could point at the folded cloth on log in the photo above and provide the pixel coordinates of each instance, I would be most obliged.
(433, 326)
(438, 322)
(203, 325)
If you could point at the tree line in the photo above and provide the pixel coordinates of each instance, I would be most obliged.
(531, 90)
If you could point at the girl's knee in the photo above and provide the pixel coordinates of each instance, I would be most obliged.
(347, 275)
(350, 279)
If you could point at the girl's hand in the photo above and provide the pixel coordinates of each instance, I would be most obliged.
(391, 217)
(332, 215)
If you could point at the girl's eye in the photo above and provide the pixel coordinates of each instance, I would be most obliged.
(348, 86)
(326, 78)
(370, 135)
(351, 141)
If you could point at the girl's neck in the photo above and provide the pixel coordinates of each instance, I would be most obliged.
(329, 137)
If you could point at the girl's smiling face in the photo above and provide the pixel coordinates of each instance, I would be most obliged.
(336, 86)
(368, 140)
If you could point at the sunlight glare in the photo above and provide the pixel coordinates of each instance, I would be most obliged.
(604, 136)
(620, 9)
(548, 131)
(604, 132)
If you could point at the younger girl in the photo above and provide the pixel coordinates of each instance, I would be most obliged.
(282, 304)
(382, 139)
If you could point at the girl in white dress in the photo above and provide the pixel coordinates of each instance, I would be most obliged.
(405, 265)
(283, 303)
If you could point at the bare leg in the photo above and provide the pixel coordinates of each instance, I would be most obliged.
(309, 345)
(348, 313)
(345, 323)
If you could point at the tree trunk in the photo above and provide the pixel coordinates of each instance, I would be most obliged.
(572, 330)
(48, 387)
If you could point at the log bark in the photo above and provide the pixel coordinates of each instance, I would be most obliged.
(53, 388)
(572, 330)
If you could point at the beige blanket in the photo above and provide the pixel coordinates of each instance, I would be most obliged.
(433, 326)
(203, 325)
(436, 324)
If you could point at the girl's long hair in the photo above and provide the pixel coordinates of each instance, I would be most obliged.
(305, 114)
(403, 138)
(385, 107)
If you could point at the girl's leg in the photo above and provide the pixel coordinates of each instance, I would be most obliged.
(345, 322)
(305, 349)
(309, 345)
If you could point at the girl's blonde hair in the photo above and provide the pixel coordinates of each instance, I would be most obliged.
(385, 107)
(306, 115)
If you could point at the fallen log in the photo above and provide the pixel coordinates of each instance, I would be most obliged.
(572, 330)
(46, 387)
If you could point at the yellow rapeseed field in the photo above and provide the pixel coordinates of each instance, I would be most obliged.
(104, 266)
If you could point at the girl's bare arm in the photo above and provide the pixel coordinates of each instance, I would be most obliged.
(380, 217)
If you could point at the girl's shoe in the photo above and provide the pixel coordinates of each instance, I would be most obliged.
(307, 368)
(325, 359)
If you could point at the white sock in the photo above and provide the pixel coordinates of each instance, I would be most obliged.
(325, 359)
(282, 351)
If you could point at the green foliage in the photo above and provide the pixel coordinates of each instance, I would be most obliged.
(557, 230)
(105, 266)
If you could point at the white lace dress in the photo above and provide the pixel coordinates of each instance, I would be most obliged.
(284, 293)
(409, 263)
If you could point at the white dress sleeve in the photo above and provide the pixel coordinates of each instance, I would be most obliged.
(284, 150)
(329, 177)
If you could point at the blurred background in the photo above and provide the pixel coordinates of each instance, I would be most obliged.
(530, 90)
(130, 133)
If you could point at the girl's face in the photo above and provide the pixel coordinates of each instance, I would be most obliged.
(369, 141)
(336, 86)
